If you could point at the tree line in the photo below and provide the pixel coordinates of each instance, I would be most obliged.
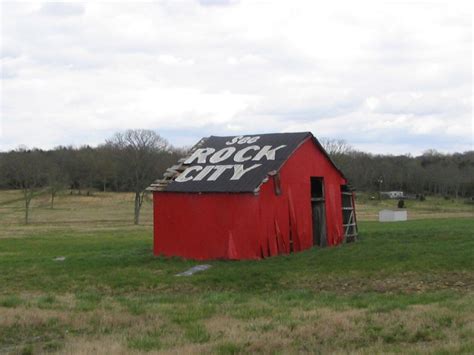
(128, 161)
(131, 160)
(432, 173)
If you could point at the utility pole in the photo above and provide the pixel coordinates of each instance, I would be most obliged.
(380, 181)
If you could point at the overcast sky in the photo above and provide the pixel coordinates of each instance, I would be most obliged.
(388, 77)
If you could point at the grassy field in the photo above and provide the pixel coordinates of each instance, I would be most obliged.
(403, 288)
(433, 207)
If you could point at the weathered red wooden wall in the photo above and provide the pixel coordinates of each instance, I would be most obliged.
(245, 226)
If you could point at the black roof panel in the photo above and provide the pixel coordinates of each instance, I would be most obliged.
(235, 164)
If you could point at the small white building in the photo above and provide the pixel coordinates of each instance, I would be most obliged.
(392, 194)
(392, 216)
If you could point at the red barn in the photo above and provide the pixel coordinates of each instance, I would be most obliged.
(251, 197)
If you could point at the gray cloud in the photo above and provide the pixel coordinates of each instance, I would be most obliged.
(188, 70)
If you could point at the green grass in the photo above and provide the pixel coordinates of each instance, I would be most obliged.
(403, 287)
(104, 262)
(10, 301)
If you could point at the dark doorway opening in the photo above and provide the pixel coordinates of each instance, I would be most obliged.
(318, 208)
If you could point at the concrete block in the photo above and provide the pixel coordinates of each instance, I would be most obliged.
(392, 216)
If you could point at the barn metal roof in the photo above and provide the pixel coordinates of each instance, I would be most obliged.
(232, 164)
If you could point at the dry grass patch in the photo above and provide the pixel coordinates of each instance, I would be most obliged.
(100, 345)
(100, 211)
(287, 329)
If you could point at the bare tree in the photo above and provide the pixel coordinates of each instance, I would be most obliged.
(56, 178)
(86, 166)
(338, 150)
(335, 146)
(105, 165)
(23, 169)
(136, 152)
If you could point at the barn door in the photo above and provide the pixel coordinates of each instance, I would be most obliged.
(318, 208)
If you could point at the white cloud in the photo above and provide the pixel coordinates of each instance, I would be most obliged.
(62, 9)
(250, 59)
(172, 60)
(385, 76)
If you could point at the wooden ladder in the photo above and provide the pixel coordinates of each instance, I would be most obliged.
(349, 221)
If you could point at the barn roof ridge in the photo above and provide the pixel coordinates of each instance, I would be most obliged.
(247, 179)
